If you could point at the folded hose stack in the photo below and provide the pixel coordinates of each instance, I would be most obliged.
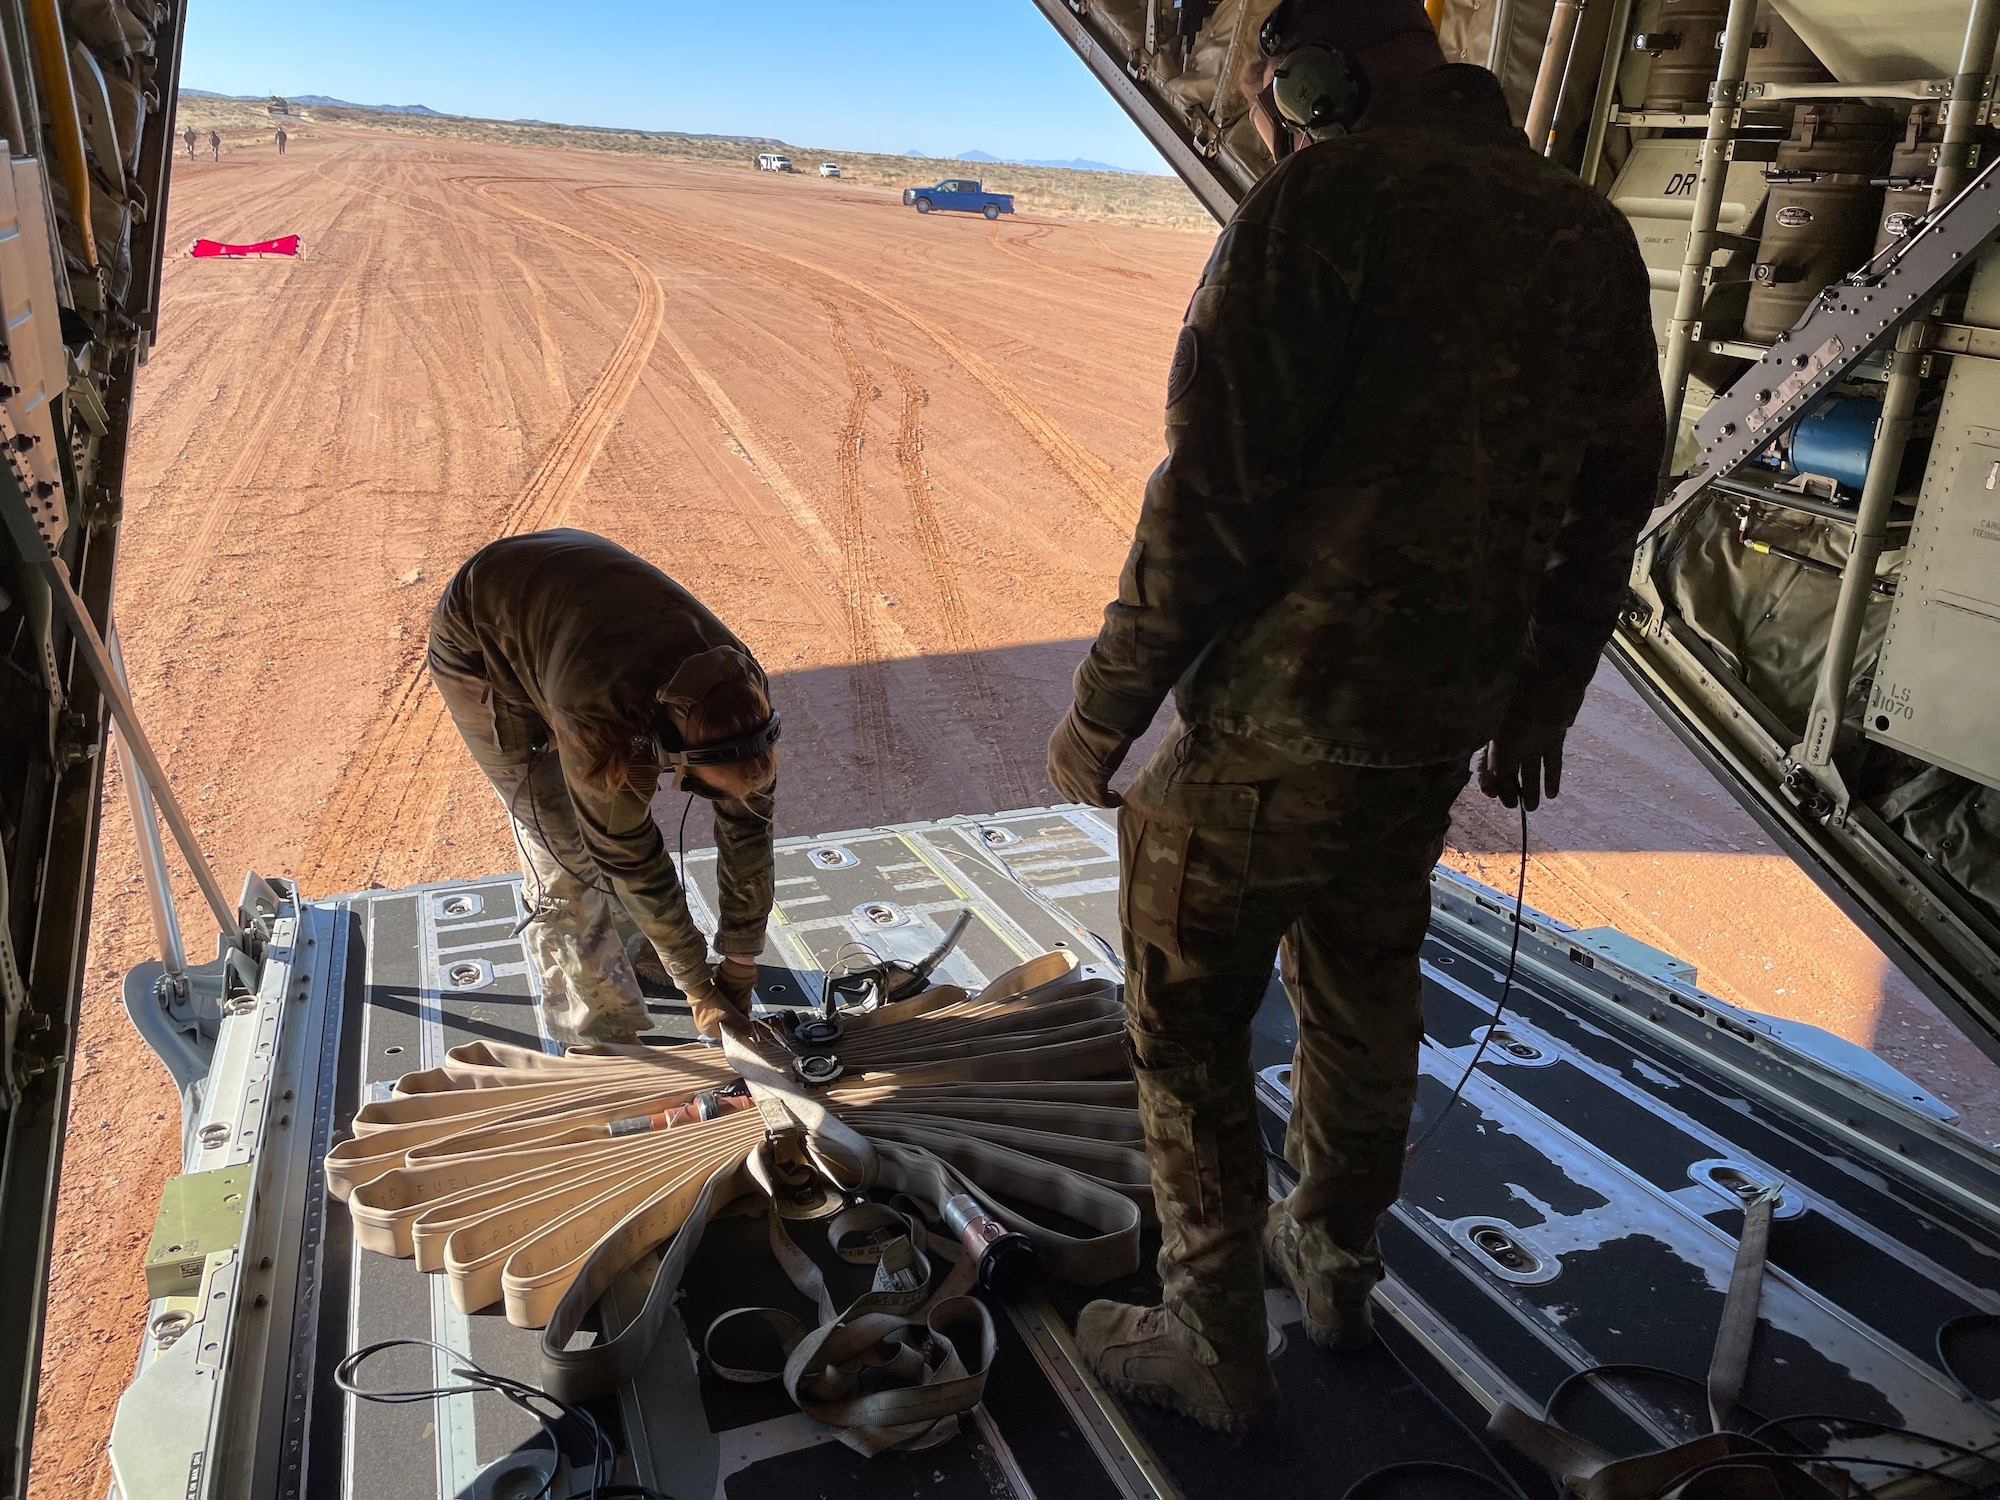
(534, 1181)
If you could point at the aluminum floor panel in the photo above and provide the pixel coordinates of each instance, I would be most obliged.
(1582, 1142)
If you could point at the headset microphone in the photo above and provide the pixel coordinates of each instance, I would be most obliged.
(696, 678)
(681, 759)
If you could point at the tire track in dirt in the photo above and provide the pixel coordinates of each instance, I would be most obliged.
(222, 507)
(1075, 463)
(1009, 781)
(821, 548)
(879, 740)
(826, 550)
(395, 771)
(1018, 247)
(961, 640)
(1080, 467)
(877, 751)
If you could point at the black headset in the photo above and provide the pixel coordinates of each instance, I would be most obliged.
(664, 749)
(1318, 90)
(662, 745)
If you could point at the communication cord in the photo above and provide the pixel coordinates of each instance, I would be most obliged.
(1375, 1481)
(527, 784)
(478, 1380)
(1499, 1006)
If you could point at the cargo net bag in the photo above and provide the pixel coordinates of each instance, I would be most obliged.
(938, 1138)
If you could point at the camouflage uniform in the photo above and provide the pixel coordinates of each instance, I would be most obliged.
(534, 630)
(1413, 425)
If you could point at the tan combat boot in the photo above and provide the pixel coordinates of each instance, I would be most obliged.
(1150, 1355)
(646, 962)
(1342, 1320)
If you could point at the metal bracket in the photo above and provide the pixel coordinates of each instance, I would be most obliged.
(1849, 319)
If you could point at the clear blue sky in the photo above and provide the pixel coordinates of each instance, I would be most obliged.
(936, 76)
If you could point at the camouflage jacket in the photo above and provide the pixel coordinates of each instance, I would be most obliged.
(1413, 424)
(565, 625)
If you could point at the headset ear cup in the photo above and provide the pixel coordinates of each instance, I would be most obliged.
(1319, 88)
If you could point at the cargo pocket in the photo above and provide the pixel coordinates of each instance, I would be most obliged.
(1186, 1162)
(518, 733)
(1186, 864)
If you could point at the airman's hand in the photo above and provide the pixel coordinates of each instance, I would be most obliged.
(720, 996)
(1522, 764)
(735, 982)
(1083, 758)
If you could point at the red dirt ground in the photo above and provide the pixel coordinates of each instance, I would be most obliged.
(900, 455)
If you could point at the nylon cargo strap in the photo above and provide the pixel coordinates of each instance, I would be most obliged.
(535, 1181)
(890, 1368)
(1586, 1470)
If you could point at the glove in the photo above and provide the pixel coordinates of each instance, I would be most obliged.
(1521, 763)
(1083, 757)
(724, 1000)
(735, 980)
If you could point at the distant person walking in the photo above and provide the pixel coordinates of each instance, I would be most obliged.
(215, 144)
(191, 138)
(281, 140)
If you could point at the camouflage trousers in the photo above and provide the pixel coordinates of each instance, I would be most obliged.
(577, 938)
(1231, 854)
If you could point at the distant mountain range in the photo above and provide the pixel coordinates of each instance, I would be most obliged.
(381, 109)
(1074, 164)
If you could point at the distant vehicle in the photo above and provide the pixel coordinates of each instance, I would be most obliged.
(961, 194)
(829, 169)
(771, 161)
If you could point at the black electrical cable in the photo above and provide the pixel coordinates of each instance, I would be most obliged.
(1764, 1425)
(1959, 1325)
(535, 812)
(1827, 1419)
(1499, 1006)
(1511, 1487)
(1766, 1460)
(1627, 1368)
(478, 1380)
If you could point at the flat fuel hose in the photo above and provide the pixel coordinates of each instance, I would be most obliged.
(534, 1181)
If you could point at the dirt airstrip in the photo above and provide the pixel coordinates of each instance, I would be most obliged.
(900, 455)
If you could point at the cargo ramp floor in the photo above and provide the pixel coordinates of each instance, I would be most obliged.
(1579, 1209)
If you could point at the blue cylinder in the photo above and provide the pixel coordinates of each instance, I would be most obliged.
(1835, 438)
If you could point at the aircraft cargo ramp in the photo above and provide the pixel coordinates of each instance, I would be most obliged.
(1580, 1209)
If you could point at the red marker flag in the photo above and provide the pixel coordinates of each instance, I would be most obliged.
(284, 245)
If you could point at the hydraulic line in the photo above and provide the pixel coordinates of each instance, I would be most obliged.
(1556, 54)
(52, 66)
(1899, 404)
(1813, 565)
(1725, 110)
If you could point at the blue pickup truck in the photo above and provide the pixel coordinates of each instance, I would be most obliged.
(962, 194)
